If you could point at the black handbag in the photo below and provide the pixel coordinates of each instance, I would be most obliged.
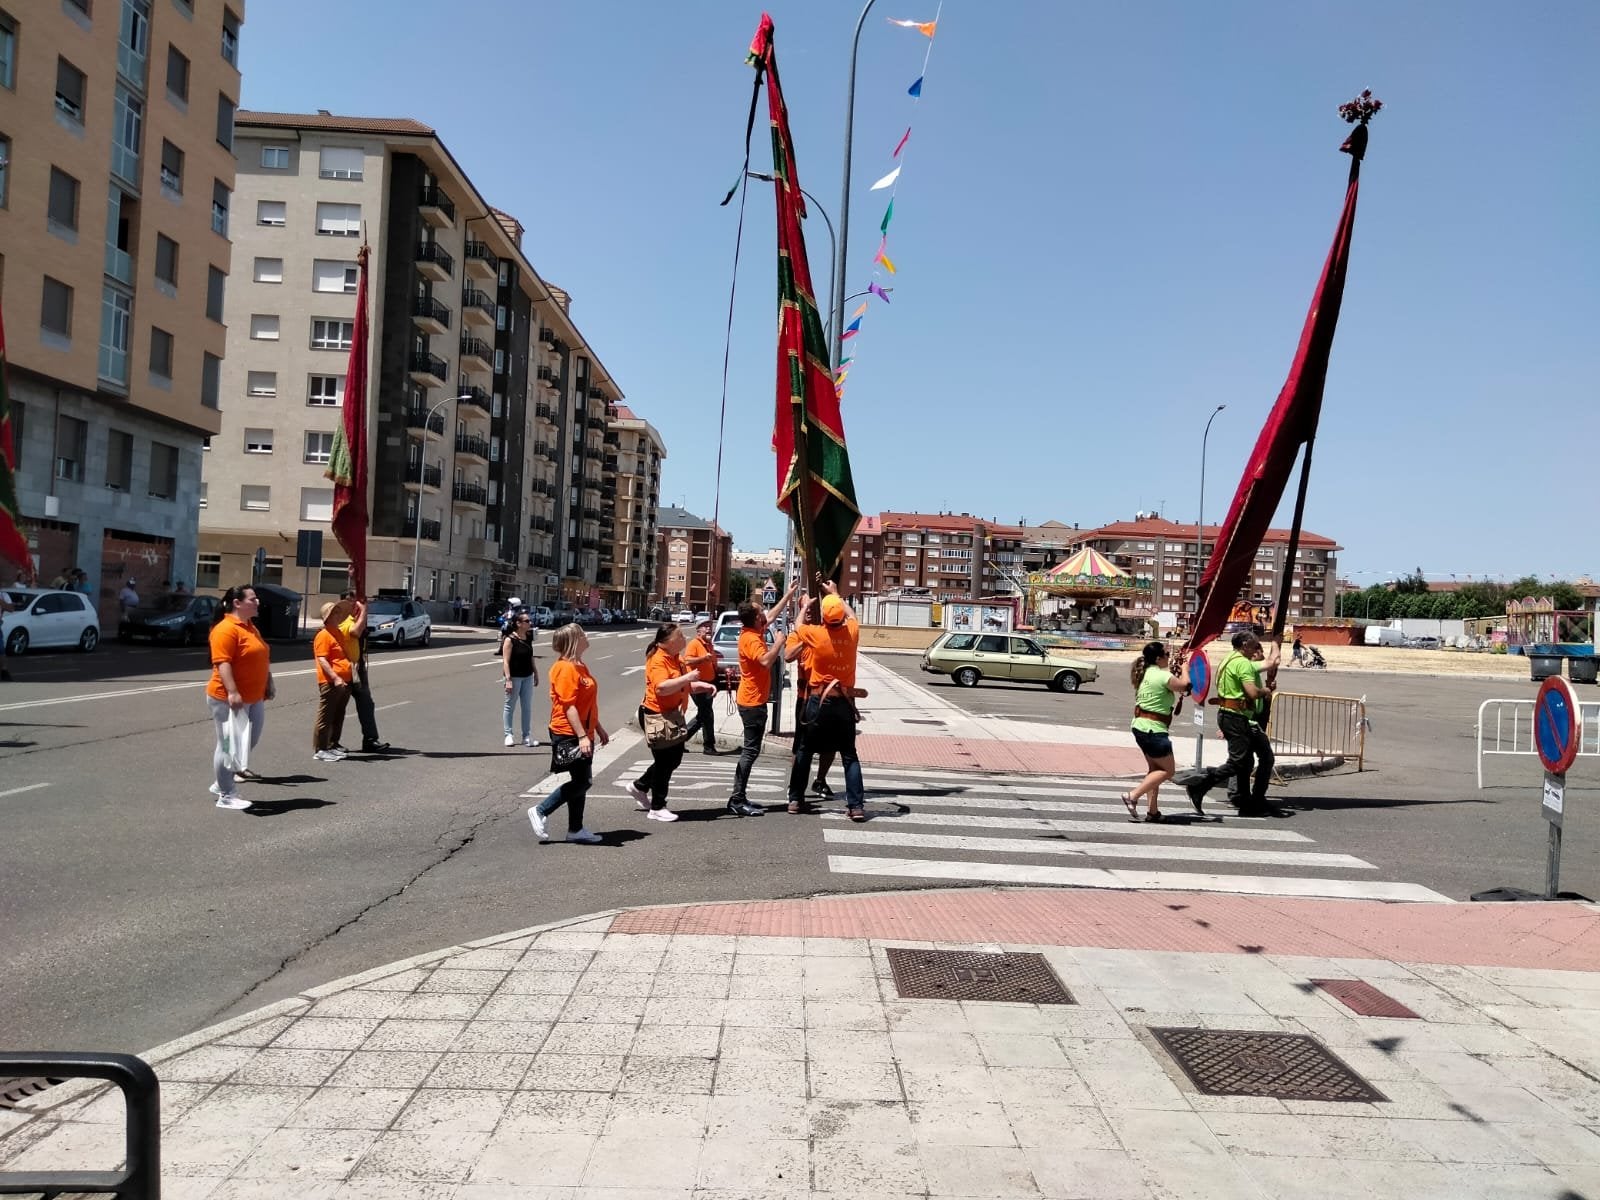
(565, 752)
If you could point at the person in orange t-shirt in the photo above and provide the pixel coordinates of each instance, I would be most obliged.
(755, 686)
(334, 672)
(830, 720)
(701, 656)
(574, 721)
(241, 679)
(796, 651)
(668, 684)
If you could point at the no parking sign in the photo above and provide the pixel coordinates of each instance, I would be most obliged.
(1557, 736)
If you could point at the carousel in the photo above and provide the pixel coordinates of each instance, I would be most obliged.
(1088, 597)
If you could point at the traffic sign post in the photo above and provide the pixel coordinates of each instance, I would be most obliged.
(1200, 681)
(1557, 736)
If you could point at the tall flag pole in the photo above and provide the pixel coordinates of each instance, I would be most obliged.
(814, 483)
(347, 465)
(1291, 424)
(13, 543)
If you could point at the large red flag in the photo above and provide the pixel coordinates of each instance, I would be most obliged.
(1291, 424)
(347, 465)
(13, 544)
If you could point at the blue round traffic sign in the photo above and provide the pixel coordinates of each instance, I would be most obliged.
(1200, 676)
(1557, 730)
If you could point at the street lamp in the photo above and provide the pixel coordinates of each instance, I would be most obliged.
(1200, 522)
(422, 474)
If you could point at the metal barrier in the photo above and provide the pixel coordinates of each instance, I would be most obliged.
(1306, 726)
(1512, 730)
(141, 1179)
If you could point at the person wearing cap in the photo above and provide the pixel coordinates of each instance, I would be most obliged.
(353, 637)
(334, 672)
(830, 711)
(701, 657)
(755, 688)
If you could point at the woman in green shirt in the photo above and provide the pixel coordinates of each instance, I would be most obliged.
(1156, 690)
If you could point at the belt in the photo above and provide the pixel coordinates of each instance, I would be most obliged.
(1247, 707)
(1145, 714)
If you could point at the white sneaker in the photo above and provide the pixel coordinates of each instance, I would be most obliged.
(584, 837)
(541, 827)
(661, 814)
(532, 743)
(640, 797)
(214, 789)
(235, 802)
(338, 752)
(510, 741)
(325, 756)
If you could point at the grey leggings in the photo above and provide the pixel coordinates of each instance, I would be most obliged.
(219, 718)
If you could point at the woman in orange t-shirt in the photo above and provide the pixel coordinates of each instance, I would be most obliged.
(668, 684)
(574, 721)
(241, 678)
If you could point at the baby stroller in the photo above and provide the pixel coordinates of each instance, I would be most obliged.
(1313, 658)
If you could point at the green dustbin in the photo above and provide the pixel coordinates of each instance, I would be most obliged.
(1583, 669)
(1544, 666)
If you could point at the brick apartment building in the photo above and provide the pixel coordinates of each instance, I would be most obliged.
(693, 558)
(951, 555)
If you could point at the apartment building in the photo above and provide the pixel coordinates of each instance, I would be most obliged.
(952, 556)
(116, 185)
(694, 556)
(1168, 552)
(487, 410)
(630, 495)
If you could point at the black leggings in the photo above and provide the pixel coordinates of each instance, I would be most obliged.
(657, 776)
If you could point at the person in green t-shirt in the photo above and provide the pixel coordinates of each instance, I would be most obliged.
(1242, 693)
(1156, 690)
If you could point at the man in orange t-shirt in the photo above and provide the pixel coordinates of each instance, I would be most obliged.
(755, 686)
(830, 650)
(701, 656)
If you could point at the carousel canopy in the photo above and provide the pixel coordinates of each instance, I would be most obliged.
(1088, 563)
(1089, 574)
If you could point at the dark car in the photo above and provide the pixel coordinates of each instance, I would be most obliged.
(181, 620)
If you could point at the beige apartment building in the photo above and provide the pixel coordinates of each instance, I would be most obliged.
(631, 470)
(488, 414)
(694, 557)
(116, 210)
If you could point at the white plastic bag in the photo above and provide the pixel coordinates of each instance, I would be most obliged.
(236, 740)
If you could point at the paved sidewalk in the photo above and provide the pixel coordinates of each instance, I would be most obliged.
(768, 1054)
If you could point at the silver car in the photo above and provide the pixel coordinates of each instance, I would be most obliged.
(399, 623)
(46, 617)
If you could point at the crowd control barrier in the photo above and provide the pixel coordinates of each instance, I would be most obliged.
(1505, 729)
(141, 1177)
(1307, 726)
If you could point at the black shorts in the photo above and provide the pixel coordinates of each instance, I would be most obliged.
(1154, 745)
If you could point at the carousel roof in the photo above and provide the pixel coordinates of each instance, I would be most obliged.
(1088, 563)
(1090, 574)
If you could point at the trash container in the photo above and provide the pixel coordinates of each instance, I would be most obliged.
(279, 614)
(1584, 668)
(1543, 666)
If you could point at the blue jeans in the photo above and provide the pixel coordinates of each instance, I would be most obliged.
(219, 717)
(571, 793)
(521, 689)
(829, 726)
(754, 717)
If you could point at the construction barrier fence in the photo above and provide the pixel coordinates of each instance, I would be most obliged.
(1505, 729)
(1318, 727)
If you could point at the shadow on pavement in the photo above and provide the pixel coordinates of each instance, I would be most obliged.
(1340, 803)
(276, 808)
(289, 780)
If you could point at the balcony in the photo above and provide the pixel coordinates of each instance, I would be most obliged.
(547, 335)
(544, 412)
(119, 264)
(476, 355)
(548, 378)
(434, 262)
(470, 494)
(478, 547)
(429, 531)
(478, 308)
(481, 262)
(417, 418)
(545, 451)
(591, 514)
(613, 439)
(597, 393)
(590, 543)
(472, 446)
(608, 490)
(428, 370)
(596, 423)
(608, 466)
(475, 402)
(428, 315)
(431, 478)
(436, 208)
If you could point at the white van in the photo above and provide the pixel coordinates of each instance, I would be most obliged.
(1382, 635)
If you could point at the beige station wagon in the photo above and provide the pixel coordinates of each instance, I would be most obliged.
(970, 657)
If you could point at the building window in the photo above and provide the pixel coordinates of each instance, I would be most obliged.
(163, 471)
(210, 380)
(261, 383)
(5, 168)
(275, 158)
(269, 270)
(55, 313)
(171, 168)
(319, 446)
(216, 285)
(127, 135)
(8, 50)
(119, 460)
(160, 352)
(205, 492)
(326, 391)
(258, 441)
(230, 37)
(339, 220)
(177, 75)
(72, 443)
(255, 497)
(70, 85)
(264, 327)
(81, 5)
(63, 210)
(207, 568)
(340, 162)
(330, 334)
(316, 504)
(331, 276)
(166, 260)
(220, 197)
(272, 212)
(225, 110)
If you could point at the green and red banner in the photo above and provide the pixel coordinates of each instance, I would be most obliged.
(13, 543)
(347, 465)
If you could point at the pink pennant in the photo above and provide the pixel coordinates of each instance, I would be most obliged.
(906, 137)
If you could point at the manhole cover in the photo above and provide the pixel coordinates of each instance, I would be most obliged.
(1242, 1062)
(972, 975)
(1362, 998)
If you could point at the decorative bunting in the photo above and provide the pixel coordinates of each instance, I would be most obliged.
(843, 361)
(879, 292)
(847, 335)
(858, 313)
(882, 257)
(886, 181)
(854, 326)
(925, 28)
(904, 138)
(916, 88)
(888, 215)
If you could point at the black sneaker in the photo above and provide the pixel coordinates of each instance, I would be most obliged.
(821, 788)
(1197, 796)
(374, 747)
(743, 808)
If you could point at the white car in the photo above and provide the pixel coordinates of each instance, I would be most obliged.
(43, 617)
(683, 616)
(397, 622)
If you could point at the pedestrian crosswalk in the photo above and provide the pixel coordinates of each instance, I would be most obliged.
(968, 826)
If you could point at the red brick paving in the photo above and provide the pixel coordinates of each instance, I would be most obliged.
(1558, 936)
(989, 754)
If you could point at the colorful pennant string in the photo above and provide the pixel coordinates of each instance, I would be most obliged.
(925, 28)
(888, 215)
(916, 88)
(878, 292)
(858, 312)
(906, 137)
(886, 181)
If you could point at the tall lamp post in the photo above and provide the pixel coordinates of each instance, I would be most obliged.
(1200, 522)
(422, 474)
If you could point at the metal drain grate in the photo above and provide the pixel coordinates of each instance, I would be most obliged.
(1242, 1062)
(1364, 999)
(972, 975)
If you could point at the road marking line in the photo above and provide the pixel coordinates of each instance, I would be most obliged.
(1205, 832)
(1002, 845)
(631, 671)
(623, 743)
(396, 704)
(17, 791)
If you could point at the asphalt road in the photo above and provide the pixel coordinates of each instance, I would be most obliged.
(133, 911)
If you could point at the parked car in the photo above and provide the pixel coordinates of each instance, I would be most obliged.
(701, 616)
(42, 617)
(183, 620)
(399, 623)
(1383, 635)
(971, 657)
(1425, 641)
(683, 616)
(543, 616)
(607, 617)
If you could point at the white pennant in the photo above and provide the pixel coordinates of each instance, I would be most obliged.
(887, 180)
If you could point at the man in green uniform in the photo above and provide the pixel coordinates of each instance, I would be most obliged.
(1242, 692)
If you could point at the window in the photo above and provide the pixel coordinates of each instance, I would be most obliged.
(264, 327)
(166, 260)
(269, 270)
(127, 135)
(63, 212)
(55, 314)
(340, 162)
(8, 50)
(220, 197)
(258, 441)
(332, 276)
(230, 37)
(216, 284)
(330, 334)
(319, 446)
(225, 109)
(255, 497)
(72, 443)
(271, 212)
(210, 380)
(119, 461)
(326, 391)
(262, 383)
(160, 352)
(70, 85)
(339, 220)
(5, 168)
(177, 74)
(171, 168)
(275, 158)
(207, 567)
(316, 504)
(81, 5)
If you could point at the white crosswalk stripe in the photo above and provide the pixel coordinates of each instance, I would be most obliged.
(967, 826)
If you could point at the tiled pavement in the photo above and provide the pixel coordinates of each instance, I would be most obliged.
(587, 1062)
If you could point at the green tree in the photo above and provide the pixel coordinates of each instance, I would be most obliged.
(1413, 584)
(777, 581)
(738, 589)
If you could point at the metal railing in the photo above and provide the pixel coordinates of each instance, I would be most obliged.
(432, 252)
(1307, 726)
(141, 1177)
(1506, 730)
(433, 197)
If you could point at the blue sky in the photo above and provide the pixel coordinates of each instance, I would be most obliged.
(1110, 220)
